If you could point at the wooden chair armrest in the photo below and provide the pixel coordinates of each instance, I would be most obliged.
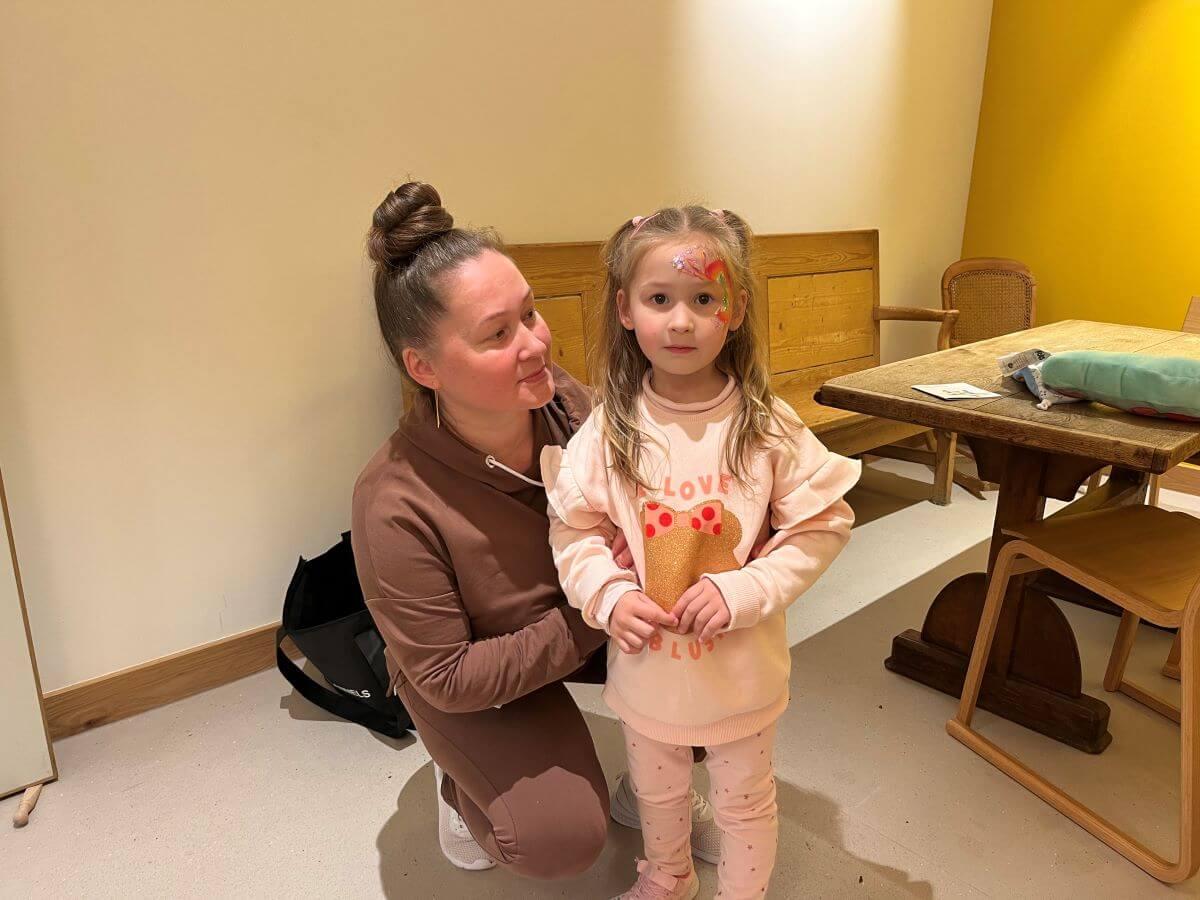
(921, 314)
(914, 314)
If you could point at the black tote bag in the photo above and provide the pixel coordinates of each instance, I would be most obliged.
(325, 615)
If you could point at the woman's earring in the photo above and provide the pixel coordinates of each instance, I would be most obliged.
(437, 409)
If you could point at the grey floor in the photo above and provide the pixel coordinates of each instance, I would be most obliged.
(247, 791)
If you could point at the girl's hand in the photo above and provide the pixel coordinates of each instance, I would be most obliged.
(635, 619)
(702, 610)
(622, 555)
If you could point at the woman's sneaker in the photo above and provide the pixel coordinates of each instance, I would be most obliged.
(655, 885)
(457, 844)
(706, 836)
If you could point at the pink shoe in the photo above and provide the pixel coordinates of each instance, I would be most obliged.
(655, 885)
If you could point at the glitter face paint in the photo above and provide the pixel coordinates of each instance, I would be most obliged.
(694, 261)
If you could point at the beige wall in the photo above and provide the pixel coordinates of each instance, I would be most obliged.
(189, 372)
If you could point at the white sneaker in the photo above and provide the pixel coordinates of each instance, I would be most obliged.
(458, 846)
(706, 836)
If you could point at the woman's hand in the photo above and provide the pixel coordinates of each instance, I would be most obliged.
(635, 619)
(702, 610)
(622, 555)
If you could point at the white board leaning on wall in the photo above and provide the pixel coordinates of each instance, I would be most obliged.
(26, 757)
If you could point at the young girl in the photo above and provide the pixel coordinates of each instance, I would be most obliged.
(691, 455)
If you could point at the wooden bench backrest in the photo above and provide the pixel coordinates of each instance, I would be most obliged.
(817, 294)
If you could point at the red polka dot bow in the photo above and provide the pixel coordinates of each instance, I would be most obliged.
(705, 518)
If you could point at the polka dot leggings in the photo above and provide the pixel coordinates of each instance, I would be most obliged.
(743, 799)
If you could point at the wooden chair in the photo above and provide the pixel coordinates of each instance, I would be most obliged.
(1191, 324)
(1147, 561)
(993, 296)
(998, 296)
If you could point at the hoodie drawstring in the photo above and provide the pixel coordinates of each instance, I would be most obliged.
(493, 463)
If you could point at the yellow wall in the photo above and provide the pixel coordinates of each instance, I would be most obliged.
(1087, 162)
(190, 371)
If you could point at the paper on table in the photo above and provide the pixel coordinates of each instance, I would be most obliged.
(958, 390)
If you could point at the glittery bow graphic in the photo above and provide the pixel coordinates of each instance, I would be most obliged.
(704, 518)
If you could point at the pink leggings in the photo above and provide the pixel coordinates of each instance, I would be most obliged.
(743, 799)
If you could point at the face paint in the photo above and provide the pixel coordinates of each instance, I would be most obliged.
(694, 261)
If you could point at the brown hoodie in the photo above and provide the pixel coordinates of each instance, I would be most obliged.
(454, 560)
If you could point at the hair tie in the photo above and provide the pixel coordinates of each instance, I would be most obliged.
(639, 221)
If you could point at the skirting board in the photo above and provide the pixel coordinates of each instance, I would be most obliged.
(127, 692)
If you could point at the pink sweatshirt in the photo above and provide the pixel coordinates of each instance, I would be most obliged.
(697, 522)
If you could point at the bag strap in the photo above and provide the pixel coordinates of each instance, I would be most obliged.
(332, 702)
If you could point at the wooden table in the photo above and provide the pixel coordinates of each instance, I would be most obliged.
(1034, 675)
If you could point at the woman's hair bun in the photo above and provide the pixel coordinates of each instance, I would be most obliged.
(409, 217)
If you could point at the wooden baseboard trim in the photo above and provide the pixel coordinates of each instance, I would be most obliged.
(158, 682)
(1184, 478)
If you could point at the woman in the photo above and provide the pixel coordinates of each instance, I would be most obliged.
(451, 544)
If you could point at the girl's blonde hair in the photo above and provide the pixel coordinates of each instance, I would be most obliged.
(619, 364)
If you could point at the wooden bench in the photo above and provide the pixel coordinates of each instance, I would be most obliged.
(819, 302)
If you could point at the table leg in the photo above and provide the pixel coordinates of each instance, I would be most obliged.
(1034, 676)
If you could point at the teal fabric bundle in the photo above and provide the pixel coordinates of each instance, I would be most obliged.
(1150, 386)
